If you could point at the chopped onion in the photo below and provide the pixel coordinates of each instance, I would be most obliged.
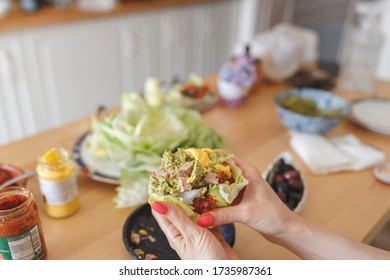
(189, 196)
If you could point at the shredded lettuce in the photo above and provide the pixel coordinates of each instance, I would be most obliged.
(135, 139)
(214, 191)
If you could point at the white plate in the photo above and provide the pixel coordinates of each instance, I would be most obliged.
(100, 170)
(288, 159)
(373, 114)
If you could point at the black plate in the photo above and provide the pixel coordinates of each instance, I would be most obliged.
(142, 218)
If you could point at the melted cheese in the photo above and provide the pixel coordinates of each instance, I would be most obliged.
(225, 169)
(202, 155)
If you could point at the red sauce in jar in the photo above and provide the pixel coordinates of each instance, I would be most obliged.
(12, 201)
(21, 233)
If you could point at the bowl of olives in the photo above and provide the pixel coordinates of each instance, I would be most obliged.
(287, 181)
(310, 110)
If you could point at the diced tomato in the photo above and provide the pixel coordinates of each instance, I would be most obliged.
(204, 204)
(200, 93)
(191, 89)
(195, 91)
(221, 177)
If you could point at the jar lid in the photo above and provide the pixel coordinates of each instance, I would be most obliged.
(382, 172)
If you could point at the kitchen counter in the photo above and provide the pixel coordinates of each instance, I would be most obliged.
(48, 16)
(352, 203)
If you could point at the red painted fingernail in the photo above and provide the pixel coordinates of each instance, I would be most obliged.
(159, 207)
(206, 220)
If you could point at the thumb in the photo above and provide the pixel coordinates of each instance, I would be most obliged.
(220, 216)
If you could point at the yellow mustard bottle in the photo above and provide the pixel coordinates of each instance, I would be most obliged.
(58, 184)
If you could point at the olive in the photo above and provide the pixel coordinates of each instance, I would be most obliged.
(291, 174)
(288, 167)
(295, 198)
(280, 162)
(278, 178)
(270, 176)
(282, 196)
(295, 185)
(281, 186)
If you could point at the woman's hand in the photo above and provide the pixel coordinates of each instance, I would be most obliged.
(259, 208)
(189, 240)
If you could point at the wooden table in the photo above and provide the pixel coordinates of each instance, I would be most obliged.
(352, 203)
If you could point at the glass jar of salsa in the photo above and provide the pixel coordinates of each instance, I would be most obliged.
(57, 181)
(21, 236)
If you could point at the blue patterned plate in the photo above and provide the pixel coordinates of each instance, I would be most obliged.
(99, 170)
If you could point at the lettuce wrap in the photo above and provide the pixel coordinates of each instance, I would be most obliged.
(197, 180)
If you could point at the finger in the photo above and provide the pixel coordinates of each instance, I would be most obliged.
(217, 231)
(221, 216)
(249, 171)
(178, 218)
(174, 236)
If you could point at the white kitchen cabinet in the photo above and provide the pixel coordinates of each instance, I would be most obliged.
(138, 50)
(17, 117)
(215, 28)
(54, 75)
(172, 43)
(76, 68)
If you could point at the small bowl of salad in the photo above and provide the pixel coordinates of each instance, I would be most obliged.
(194, 93)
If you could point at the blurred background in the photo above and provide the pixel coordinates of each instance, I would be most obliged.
(61, 59)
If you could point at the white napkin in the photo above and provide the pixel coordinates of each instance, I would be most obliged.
(344, 153)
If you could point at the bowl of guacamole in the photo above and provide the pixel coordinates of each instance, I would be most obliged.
(310, 110)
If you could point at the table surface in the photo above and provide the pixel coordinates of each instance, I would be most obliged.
(352, 203)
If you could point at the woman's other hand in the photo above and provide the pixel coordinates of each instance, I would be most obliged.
(189, 240)
(259, 207)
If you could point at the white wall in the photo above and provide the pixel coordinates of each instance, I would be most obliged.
(383, 70)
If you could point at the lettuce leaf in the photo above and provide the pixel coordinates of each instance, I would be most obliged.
(230, 192)
(177, 201)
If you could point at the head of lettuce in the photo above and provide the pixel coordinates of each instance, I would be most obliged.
(197, 180)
